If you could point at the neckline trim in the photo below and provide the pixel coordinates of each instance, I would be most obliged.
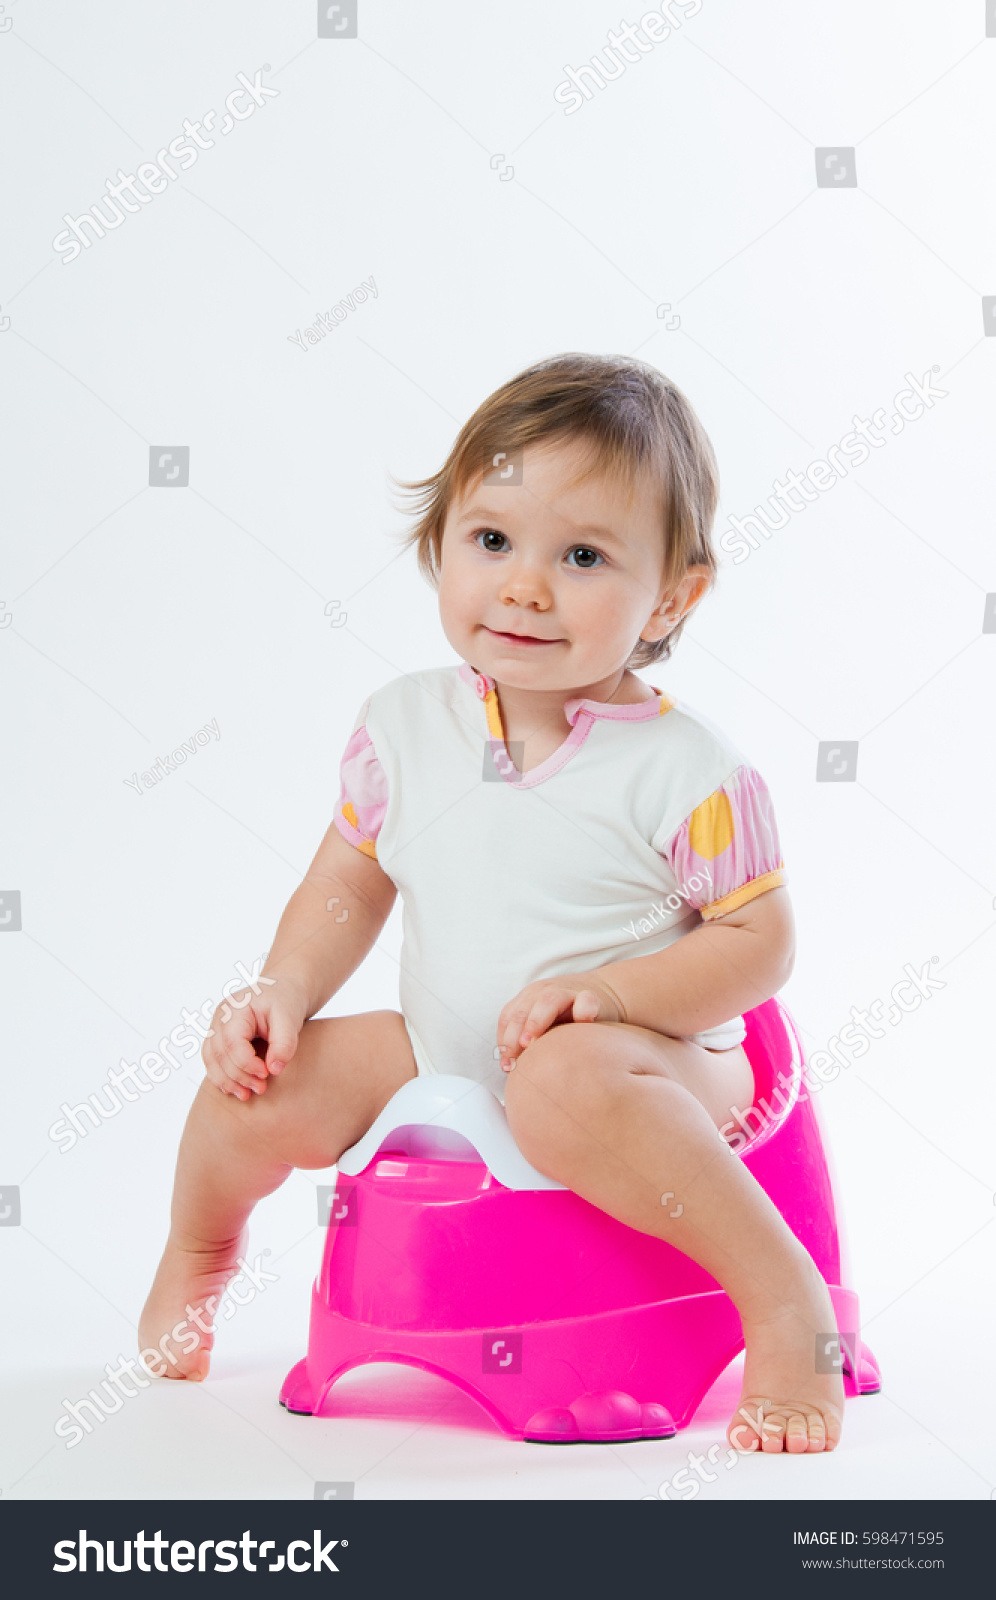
(581, 713)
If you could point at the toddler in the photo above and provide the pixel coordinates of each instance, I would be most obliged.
(591, 880)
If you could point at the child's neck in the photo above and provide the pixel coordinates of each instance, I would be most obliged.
(529, 712)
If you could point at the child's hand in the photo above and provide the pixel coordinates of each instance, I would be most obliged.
(573, 997)
(273, 1019)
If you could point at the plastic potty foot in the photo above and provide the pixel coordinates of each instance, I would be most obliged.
(610, 1417)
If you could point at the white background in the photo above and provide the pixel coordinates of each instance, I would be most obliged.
(133, 615)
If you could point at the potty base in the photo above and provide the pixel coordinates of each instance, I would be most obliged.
(561, 1382)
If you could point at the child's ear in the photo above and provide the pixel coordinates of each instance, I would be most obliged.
(667, 616)
(661, 622)
(686, 594)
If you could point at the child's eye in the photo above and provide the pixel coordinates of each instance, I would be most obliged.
(586, 550)
(488, 533)
(587, 563)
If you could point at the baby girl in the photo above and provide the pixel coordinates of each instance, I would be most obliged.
(591, 880)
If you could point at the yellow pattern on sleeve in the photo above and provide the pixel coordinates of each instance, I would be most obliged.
(710, 826)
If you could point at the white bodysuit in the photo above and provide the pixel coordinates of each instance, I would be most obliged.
(644, 823)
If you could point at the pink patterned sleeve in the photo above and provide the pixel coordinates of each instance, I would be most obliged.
(362, 801)
(727, 851)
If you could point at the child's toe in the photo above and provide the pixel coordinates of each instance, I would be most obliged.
(797, 1434)
(774, 1433)
(817, 1433)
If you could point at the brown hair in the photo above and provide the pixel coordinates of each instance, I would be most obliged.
(634, 419)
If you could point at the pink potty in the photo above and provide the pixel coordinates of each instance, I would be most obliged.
(447, 1251)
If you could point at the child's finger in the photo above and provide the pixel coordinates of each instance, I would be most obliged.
(222, 1071)
(281, 1044)
(245, 1056)
(510, 1024)
(227, 1085)
(586, 1006)
(526, 1018)
(543, 1014)
(250, 1086)
(226, 1063)
(508, 1036)
(527, 1025)
(255, 1083)
(238, 1058)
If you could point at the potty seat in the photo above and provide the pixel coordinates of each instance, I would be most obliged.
(446, 1250)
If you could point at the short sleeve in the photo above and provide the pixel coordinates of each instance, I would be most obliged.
(727, 851)
(362, 802)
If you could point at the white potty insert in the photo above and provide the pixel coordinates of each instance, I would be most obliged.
(447, 1118)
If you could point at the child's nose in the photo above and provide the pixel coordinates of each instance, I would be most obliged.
(526, 585)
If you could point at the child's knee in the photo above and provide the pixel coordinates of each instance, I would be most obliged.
(543, 1067)
(279, 1120)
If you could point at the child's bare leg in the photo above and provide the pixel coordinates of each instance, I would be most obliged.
(623, 1115)
(233, 1153)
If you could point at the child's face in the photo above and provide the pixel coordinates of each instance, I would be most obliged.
(578, 565)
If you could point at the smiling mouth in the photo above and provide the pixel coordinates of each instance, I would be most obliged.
(521, 638)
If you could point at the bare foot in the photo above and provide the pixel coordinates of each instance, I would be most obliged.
(175, 1329)
(785, 1403)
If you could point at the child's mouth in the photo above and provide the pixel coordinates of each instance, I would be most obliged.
(523, 639)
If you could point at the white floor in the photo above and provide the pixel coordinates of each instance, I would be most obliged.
(400, 1434)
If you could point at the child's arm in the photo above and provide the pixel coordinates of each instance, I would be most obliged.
(726, 850)
(328, 926)
(330, 922)
(727, 966)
